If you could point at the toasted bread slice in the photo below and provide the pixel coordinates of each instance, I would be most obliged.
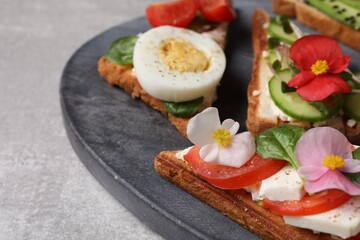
(236, 204)
(260, 114)
(315, 19)
(124, 77)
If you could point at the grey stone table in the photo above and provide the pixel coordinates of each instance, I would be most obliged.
(45, 191)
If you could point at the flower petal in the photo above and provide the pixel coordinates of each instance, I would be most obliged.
(301, 79)
(332, 179)
(200, 128)
(339, 64)
(312, 173)
(242, 148)
(231, 125)
(308, 49)
(323, 86)
(351, 166)
(210, 152)
(317, 143)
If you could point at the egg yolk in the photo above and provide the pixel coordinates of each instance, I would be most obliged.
(183, 56)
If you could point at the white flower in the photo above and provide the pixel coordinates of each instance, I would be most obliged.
(218, 141)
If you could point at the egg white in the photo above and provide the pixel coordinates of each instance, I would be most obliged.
(159, 81)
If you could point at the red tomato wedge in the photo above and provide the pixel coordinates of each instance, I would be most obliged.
(217, 10)
(177, 13)
(254, 171)
(309, 204)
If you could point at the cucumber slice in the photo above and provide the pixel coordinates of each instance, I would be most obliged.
(276, 30)
(272, 57)
(291, 103)
(352, 3)
(352, 106)
(339, 10)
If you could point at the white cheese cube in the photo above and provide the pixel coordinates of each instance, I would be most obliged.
(343, 221)
(284, 185)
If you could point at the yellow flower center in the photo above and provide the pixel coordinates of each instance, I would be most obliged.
(222, 136)
(320, 67)
(333, 161)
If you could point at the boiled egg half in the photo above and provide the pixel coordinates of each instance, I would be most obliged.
(176, 64)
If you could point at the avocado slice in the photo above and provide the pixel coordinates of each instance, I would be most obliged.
(345, 11)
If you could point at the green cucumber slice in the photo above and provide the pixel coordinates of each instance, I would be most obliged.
(276, 30)
(291, 103)
(352, 106)
(272, 56)
(339, 10)
(352, 3)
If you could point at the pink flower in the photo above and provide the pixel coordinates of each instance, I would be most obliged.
(323, 153)
(320, 61)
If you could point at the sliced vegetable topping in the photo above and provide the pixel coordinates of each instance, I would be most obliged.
(252, 172)
(309, 204)
(178, 13)
(217, 10)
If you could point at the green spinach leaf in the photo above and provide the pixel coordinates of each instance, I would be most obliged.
(356, 153)
(355, 177)
(121, 50)
(184, 109)
(279, 143)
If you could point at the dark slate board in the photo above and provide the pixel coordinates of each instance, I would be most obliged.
(117, 137)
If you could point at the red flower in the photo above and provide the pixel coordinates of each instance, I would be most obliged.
(320, 61)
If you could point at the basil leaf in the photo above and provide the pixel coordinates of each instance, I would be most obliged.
(184, 109)
(294, 70)
(279, 143)
(121, 50)
(287, 27)
(346, 76)
(355, 177)
(356, 153)
(320, 106)
(276, 65)
(273, 42)
(285, 88)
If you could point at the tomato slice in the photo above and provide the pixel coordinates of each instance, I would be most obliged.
(309, 204)
(217, 10)
(177, 13)
(253, 171)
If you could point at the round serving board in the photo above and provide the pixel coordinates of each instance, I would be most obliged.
(117, 137)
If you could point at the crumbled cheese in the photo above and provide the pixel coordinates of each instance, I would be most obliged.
(266, 25)
(280, 114)
(351, 123)
(265, 54)
(256, 93)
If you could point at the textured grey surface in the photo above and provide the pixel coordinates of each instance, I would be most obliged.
(45, 191)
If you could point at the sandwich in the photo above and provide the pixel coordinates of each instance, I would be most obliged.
(299, 79)
(275, 185)
(176, 66)
(335, 18)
